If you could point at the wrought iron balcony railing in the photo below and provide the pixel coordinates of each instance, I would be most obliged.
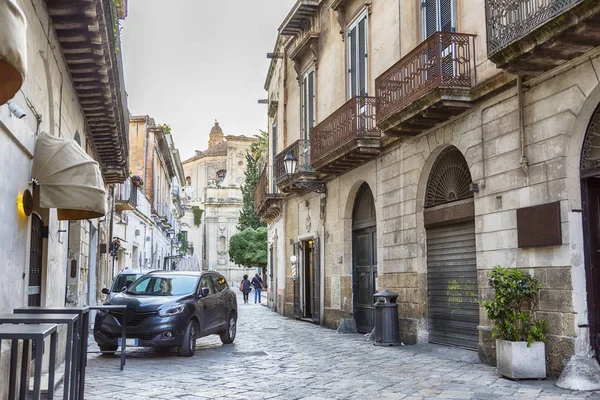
(301, 150)
(268, 202)
(260, 193)
(443, 60)
(510, 20)
(353, 121)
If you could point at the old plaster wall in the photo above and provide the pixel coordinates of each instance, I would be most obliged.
(47, 91)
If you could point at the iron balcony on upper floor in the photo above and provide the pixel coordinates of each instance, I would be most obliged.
(268, 203)
(304, 178)
(428, 86)
(346, 139)
(528, 37)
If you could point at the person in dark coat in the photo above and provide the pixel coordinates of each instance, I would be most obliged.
(245, 287)
(257, 282)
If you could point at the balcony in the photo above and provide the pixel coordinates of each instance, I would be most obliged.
(528, 37)
(267, 204)
(305, 178)
(428, 86)
(126, 196)
(346, 139)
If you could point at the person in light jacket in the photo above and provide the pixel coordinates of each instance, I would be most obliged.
(245, 287)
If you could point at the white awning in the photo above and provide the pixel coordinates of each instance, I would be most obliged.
(13, 49)
(68, 178)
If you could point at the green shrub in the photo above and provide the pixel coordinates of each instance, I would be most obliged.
(514, 306)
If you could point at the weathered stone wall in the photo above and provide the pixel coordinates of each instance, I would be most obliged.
(557, 108)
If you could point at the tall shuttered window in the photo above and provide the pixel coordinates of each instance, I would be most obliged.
(273, 154)
(308, 103)
(357, 54)
(438, 15)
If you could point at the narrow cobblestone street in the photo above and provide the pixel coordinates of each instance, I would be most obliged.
(277, 357)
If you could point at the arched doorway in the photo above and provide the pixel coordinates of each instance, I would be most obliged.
(453, 307)
(36, 250)
(364, 250)
(590, 196)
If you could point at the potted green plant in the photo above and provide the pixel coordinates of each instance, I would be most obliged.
(520, 337)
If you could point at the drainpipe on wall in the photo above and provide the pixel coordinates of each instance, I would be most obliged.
(524, 163)
(285, 77)
(110, 234)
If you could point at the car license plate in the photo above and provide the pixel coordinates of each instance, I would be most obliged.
(129, 342)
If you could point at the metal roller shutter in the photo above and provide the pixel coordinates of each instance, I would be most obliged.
(452, 285)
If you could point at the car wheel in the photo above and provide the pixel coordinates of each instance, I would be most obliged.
(108, 350)
(188, 345)
(228, 335)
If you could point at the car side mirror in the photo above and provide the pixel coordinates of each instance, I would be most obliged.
(124, 288)
(204, 291)
(105, 291)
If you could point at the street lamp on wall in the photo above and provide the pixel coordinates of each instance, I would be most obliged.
(290, 162)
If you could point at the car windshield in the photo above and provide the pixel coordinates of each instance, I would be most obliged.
(153, 285)
(124, 280)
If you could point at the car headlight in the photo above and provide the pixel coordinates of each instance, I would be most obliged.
(167, 312)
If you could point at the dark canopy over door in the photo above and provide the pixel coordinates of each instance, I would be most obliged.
(365, 260)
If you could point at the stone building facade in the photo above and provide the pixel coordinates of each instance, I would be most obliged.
(432, 145)
(154, 158)
(213, 185)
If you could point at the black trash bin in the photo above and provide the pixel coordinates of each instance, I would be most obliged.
(386, 319)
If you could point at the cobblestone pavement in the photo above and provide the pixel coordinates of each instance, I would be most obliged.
(275, 357)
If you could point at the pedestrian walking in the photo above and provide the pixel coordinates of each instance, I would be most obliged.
(245, 288)
(257, 282)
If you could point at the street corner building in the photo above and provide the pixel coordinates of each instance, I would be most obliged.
(414, 145)
(63, 143)
(213, 200)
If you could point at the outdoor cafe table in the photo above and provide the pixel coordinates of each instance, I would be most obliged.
(84, 326)
(71, 342)
(35, 334)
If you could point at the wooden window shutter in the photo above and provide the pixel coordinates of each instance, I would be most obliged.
(311, 102)
(353, 65)
(362, 57)
(446, 17)
(304, 108)
(430, 16)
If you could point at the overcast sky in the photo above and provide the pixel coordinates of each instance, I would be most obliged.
(189, 62)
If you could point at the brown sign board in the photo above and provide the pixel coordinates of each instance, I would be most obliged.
(539, 225)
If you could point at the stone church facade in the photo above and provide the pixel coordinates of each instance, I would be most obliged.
(432, 144)
(213, 185)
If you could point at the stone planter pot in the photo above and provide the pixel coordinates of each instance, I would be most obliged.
(517, 361)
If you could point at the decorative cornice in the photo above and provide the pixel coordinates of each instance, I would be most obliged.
(309, 43)
(339, 6)
(86, 33)
(294, 22)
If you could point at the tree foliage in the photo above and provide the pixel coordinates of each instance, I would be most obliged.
(514, 306)
(260, 148)
(248, 218)
(248, 248)
(166, 128)
(197, 215)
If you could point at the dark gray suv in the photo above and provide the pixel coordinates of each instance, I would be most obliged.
(170, 309)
